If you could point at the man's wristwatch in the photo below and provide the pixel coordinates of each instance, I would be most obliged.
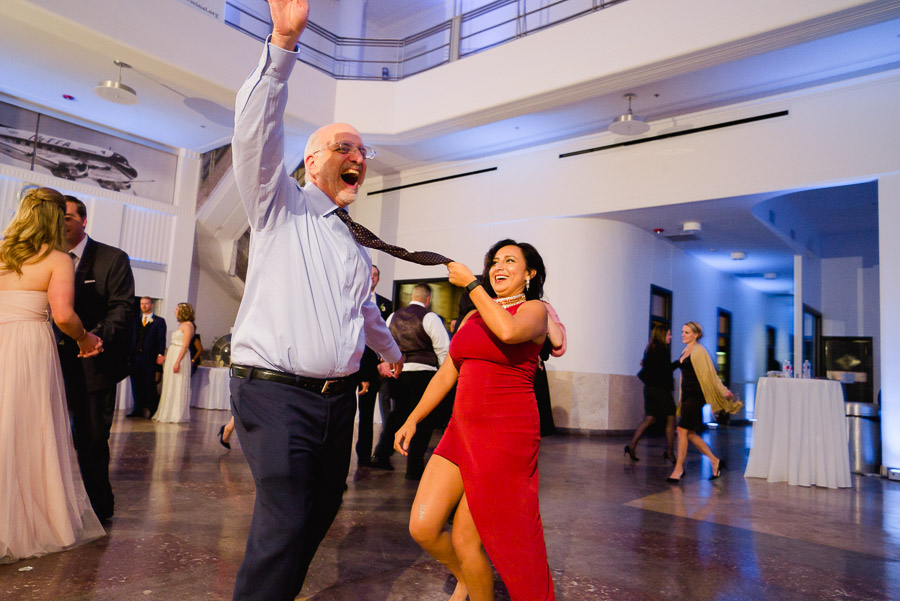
(473, 285)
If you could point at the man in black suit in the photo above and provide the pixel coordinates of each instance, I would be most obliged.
(104, 293)
(149, 349)
(370, 385)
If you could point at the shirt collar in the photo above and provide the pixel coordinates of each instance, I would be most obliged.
(412, 302)
(319, 202)
(78, 250)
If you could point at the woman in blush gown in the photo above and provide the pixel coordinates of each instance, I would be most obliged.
(485, 466)
(175, 400)
(43, 505)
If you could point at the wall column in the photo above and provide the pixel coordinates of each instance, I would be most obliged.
(889, 267)
(187, 182)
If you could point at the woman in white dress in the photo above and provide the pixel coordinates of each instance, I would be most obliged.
(175, 400)
(43, 505)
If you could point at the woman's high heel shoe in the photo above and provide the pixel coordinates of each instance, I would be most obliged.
(630, 453)
(677, 480)
(722, 465)
(222, 442)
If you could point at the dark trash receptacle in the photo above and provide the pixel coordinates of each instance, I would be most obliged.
(864, 433)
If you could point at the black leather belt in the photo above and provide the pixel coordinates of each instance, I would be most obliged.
(317, 385)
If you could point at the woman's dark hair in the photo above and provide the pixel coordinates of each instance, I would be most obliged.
(533, 261)
(658, 337)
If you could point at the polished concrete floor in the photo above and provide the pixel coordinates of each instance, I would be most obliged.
(615, 529)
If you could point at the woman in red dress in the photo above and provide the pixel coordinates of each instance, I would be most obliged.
(485, 467)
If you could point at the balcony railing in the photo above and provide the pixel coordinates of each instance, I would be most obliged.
(471, 32)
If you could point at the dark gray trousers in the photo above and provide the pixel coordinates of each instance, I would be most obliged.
(298, 446)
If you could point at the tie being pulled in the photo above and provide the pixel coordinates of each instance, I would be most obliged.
(366, 238)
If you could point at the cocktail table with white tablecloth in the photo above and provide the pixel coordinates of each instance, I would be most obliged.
(800, 434)
(210, 389)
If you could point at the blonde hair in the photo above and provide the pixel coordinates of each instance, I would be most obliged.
(39, 223)
(184, 312)
(696, 328)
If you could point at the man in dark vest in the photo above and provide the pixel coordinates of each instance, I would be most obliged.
(104, 298)
(149, 350)
(424, 342)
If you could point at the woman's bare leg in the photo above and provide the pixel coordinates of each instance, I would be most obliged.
(439, 492)
(704, 448)
(229, 428)
(476, 566)
(678, 470)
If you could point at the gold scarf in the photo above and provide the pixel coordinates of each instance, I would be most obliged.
(713, 389)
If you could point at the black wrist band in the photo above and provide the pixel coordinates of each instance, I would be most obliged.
(473, 285)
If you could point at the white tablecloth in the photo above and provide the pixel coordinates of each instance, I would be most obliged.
(800, 435)
(209, 388)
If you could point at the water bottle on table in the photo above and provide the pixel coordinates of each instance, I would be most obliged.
(787, 370)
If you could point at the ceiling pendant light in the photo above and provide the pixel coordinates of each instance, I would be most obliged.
(116, 91)
(629, 124)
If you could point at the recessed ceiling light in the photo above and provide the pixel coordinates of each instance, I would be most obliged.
(738, 256)
(770, 275)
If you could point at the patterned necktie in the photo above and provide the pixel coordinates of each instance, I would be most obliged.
(370, 240)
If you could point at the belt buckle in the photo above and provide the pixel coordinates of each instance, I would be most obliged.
(327, 385)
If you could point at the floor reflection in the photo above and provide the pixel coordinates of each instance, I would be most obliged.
(615, 529)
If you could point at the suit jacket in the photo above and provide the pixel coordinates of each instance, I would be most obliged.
(384, 305)
(104, 300)
(148, 342)
(368, 365)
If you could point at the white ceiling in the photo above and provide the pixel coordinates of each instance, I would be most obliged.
(182, 110)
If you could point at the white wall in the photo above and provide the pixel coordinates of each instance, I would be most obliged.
(600, 271)
(850, 304)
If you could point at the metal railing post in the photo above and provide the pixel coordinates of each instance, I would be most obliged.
(455, 32)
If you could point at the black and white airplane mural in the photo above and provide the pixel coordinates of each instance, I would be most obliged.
(68, 159)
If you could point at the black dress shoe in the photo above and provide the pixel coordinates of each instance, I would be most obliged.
(382, 464)
(718, 472)
(135, 414)
(364, 462)
(221, 435)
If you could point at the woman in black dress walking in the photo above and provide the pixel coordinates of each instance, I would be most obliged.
(700, 384)
(656, 374)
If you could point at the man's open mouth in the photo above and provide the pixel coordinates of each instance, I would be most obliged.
(351, 176)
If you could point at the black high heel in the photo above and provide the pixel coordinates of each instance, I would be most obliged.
(221, 435)
(677, 480)
(630, 453)
(722, 465)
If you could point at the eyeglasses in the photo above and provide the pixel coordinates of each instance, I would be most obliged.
(348, 147)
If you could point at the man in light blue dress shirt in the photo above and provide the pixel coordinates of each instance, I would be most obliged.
(304, 321)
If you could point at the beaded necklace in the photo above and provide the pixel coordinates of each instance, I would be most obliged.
(511, 301)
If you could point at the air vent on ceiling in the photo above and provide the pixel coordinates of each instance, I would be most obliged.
(683, 237)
